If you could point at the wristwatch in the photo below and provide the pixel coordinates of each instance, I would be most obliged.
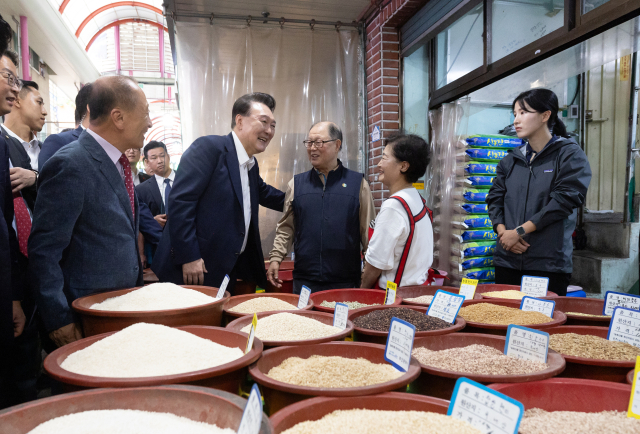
(520, 231)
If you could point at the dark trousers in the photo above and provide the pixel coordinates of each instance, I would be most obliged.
(316, 286)
(558, 282)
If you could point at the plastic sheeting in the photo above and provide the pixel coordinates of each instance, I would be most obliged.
(314, 75)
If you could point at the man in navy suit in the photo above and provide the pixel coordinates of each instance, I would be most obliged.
(154, 192)
(213, 206)
(55, 142)
(84, 237)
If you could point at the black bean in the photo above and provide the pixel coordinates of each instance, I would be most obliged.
(380, 320)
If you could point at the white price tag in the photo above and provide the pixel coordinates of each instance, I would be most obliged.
(340, 315)
(399, 344)
(527, 344)
(625, 326)
(534, 286)
(223, 287)
(634, 402)
(530, 304)
(484, 408)
(614, 299)
(445, 306)
(252, 333)
(390, 296)
(468, 288)
(252, 415)
(303, 301)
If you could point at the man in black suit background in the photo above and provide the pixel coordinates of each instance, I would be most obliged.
(214, 203)
(54, 142)
(155, 193)
(133, 155)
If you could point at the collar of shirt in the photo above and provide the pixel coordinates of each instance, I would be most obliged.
(31, 144)
(113, 152)
(243, 157)
(530, 153)
(160, 179)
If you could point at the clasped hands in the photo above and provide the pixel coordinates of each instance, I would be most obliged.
(511, 241)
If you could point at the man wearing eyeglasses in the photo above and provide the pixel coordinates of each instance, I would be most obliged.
(326, 217)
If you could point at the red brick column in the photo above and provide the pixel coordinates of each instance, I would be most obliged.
(383, 68)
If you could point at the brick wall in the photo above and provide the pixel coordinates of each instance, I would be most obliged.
(383, 67)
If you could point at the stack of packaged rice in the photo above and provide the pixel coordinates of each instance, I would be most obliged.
(473, 238)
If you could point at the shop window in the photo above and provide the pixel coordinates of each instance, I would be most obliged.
(589, 5)
(415, 92)
(516, 23)
(460, 47)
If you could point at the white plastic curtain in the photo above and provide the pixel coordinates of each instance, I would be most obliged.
(314, 75)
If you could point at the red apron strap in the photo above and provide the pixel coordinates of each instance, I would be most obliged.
(407, 246)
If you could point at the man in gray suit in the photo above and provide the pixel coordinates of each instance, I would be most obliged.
(84, 237)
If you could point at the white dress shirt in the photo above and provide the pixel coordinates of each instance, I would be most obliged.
(245, 164)
(161, 184)
(113, 152)
(14, 223)
(32, 147)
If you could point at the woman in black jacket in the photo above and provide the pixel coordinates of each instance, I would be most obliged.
(534, 198)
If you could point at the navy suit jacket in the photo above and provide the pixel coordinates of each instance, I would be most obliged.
(149, 193)
(84, 238)
(206, 216)
(54, 142)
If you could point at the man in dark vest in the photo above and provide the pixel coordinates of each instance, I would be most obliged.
(326, 216)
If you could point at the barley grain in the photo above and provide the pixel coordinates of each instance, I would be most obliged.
(262, 304)
(592, 347)
(537, 421)
(488, 313)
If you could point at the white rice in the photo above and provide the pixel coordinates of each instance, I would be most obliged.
(291, 327)
(148, 350)
(157, 296)
(125, 422)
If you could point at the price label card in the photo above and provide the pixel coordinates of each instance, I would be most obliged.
(252, 415)
(303, 301)
(390, 296)
(484, 408)
(445, 305)
(340, 315)
(634, 402)
(528, 344)
(614, 299)
(223, 287)
(534, 286)
(468, 288)
(399, 344)
(537, 305)
(625, 326)
(252, 333)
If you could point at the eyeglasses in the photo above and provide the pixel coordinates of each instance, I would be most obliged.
(11, 79)
(318, 143)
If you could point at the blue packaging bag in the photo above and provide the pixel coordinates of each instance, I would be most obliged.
(482, 248)
(486, 154)
(480, 181)
(473, 208)
(494, 142)
(477, 263)
(480, 273)
(481, 168)
(479, 235)
(478, 222)
(475, 195)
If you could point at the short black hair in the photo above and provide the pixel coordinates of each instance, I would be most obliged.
(242, 106)
(82, 99)
(28, 86)
(104, 97)
(153, 145)
(5, 34)
(13, 56)
(412, 149)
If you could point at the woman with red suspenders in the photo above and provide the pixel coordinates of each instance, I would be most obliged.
(401, 245)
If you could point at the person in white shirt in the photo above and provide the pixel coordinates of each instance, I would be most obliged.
(133, 155)
(401, 247)
(155, 191)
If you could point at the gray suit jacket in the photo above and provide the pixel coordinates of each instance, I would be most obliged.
(84, 237)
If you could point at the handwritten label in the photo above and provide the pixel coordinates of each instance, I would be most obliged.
(527, 344)
(537, 305)
(252, 333)
(445, 305)
(634, 401)
(614, 299)
(390, 296)
(223, 287)
(303, 301)
(340, 315)
(625, 326)
(534, 286)
(484, 408)
(399, 344)
(252, 415)
(468, 288)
